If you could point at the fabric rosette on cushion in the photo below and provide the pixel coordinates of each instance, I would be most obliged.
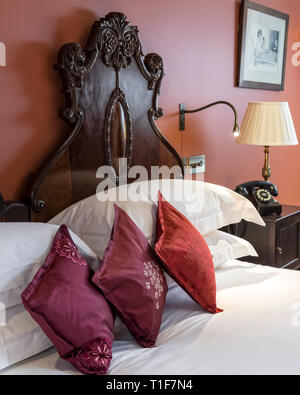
(94, 357)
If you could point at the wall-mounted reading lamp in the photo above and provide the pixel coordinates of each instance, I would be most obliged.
(183, 111)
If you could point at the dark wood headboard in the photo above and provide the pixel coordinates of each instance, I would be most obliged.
(111, 92)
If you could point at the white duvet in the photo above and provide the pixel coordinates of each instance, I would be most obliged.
(258, 332)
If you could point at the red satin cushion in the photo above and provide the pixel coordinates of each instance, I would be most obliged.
(132, 280)
(70, 309)
(185, 255)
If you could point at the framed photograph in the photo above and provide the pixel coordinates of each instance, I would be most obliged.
(262, 47)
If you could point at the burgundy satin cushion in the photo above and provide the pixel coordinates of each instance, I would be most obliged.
(70, 309)
(132, 280)
(185, 255)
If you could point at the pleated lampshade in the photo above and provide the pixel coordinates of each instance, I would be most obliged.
(267, 124)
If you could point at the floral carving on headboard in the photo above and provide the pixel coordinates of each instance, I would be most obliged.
(116, 39)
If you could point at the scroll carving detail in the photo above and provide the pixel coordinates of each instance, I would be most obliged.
(72, 66)
(71, 59)
(155, 66)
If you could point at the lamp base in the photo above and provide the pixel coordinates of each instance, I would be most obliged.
(266, 171)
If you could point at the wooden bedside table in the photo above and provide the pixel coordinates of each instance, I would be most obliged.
(277, 244)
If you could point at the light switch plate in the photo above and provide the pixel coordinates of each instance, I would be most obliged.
(197, 164)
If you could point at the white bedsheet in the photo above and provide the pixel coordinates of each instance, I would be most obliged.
(258, 332)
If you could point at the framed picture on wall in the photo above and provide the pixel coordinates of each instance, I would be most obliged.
(263, 34)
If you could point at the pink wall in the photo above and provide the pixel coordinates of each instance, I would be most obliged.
(197, 40)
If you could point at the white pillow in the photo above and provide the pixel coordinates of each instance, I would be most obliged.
(208, 206)
(223, 247)
(21, 338)
(23, 249)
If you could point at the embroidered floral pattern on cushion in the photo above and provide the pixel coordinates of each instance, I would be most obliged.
(154, 280)
(95, 357)
(65, 248)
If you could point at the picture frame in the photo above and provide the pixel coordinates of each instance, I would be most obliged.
(263, 35)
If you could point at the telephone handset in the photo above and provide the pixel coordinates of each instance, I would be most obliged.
(261, 193)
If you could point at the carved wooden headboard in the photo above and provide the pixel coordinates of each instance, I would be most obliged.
(111, 92)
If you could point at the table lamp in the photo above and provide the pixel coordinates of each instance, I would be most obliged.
(267, 124)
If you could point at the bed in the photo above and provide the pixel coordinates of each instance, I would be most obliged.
(111, 90)
(258, 333)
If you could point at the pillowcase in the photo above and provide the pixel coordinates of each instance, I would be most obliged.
(224, 247)
(185, 255)
(69, 309)
(20, 337)
(207, 206)
(132, 280)
(23, 249)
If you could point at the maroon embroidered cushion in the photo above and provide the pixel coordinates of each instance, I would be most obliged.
(132, 280)
(70, 309)
(185, 255)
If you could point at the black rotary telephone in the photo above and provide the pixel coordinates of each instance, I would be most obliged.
(261, 193)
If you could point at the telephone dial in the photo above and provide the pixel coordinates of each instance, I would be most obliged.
(261, 193)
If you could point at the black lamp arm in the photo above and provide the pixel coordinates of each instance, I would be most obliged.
(183, 111)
